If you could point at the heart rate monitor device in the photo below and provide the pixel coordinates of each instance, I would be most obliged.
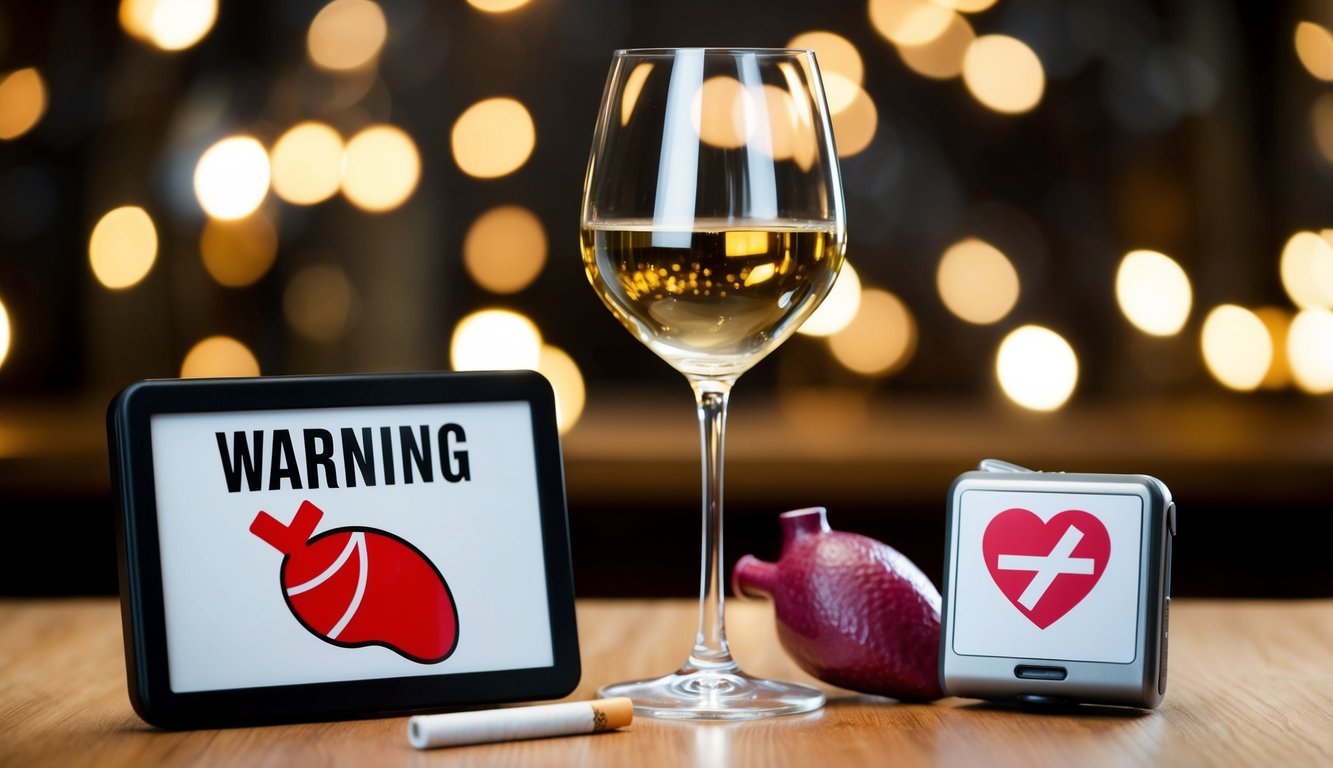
(1057, 587)
(318, 547)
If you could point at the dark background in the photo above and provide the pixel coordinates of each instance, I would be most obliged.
(1217, 170)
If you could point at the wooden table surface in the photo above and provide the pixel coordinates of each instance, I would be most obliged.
(1251, 683)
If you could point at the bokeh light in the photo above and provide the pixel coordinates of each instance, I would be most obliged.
(1236, 347)
(172, 25)
(381, 168)
(495, 339)
(493, 138)
(966, 6)
(977, 282)
(880, 339)
(567, 381)
(347, 35)
(237, 253)
(1310, 350)
(941, 58)
(219, 357)
(1306, 268)
(505, 248)
(497, 6)
(1154, 292)
(1314, 47)
(22, 102)
(1037, 368)
(854, 127)
(909, 22)
(307, 163)
(122, 247)
(839, 306)
(4, 333)
(798, 135)
(840, 66)
(720, 112)
(1003, 74)
(1321, 125)
(1278, 322)
(633, 87)
(785, 127)
(318, 302)
(232, 178)
(136, 18)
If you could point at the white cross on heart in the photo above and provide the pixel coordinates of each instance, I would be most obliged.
(1045, 568)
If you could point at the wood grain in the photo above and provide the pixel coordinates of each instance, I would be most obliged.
(1251, 683)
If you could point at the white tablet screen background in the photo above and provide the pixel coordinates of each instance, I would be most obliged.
(1103, 627)
(227, 622)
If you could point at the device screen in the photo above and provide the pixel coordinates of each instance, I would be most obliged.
(317, 545)
(1047, 575)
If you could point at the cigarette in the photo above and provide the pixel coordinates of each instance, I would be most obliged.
(459, 728)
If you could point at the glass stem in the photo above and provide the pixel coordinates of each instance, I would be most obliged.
(710, 645)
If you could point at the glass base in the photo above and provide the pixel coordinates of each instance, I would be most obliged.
(723, 693)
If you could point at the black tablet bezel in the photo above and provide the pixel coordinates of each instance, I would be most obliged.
(142, 606)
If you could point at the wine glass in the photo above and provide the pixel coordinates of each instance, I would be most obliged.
(712, 226)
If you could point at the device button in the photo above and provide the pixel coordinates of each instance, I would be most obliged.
(1171, 518)
(1028, 672)
(1166, 636)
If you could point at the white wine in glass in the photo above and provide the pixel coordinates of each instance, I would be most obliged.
(712, 226)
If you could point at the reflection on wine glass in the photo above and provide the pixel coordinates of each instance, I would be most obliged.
(712, 226)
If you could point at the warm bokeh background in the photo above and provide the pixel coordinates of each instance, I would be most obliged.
(1085, 235)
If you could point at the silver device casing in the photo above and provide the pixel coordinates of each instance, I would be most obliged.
(1139, 683)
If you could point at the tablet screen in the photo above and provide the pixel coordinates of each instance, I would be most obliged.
(334, 544)
(1047, 575)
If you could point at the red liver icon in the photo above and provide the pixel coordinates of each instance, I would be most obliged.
(354, 587)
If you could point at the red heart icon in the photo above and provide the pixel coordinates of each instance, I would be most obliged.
(1045, 569)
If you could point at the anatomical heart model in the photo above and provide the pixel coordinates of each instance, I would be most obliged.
(852, 611)
(355, 586)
